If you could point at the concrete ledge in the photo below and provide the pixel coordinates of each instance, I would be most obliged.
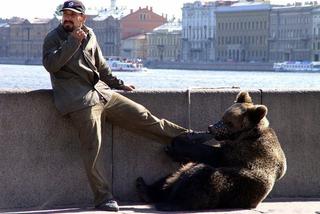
(299, 206)
(40, 164)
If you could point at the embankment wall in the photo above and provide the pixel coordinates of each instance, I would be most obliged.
(41, 167)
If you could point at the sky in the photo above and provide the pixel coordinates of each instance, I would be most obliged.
(45, 8)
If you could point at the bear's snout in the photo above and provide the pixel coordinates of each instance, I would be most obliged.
(219, 130)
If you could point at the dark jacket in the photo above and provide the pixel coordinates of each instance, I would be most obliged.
(80, 76)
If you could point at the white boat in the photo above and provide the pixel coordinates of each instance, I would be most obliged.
(117, 65)
(297, 66)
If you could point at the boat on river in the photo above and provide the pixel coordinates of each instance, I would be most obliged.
(117, 64)
(297, 66)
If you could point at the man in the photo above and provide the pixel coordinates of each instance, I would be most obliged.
(82, 82)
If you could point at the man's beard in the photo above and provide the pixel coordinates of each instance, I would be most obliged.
(68, 27)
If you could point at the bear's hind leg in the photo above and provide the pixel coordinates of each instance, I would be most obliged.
(154, 192)
(142, 189)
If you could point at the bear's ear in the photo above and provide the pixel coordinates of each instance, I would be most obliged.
(257, 113)
(243, 97)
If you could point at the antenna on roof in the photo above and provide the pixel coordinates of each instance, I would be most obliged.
(113, 4)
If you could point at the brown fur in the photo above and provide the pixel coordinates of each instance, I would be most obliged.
(238, 173)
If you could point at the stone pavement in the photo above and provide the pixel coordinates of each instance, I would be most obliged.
(282, 206)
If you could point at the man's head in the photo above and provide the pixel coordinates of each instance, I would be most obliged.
(73, 15)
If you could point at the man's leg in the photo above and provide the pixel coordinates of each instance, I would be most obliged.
(88, 124)
(135, 117)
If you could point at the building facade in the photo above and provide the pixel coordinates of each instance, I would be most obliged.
(198, 31)
(139, 22)
(4, 39)
(22, 39)
(291, 33)
(26, 38)
(107, 30)
(242, 32)
(315, 34)
(134, 47)
(164, 43)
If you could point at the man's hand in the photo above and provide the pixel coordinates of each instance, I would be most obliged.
(127, 87)
(79, 34)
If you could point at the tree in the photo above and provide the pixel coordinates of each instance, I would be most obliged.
(58, 12)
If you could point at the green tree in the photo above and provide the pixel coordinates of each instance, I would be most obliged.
(58, 12)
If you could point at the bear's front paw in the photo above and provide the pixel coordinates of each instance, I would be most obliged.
(142, 189)
(140, 183)
(175, 155)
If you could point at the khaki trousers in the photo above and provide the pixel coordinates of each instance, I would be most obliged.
(124, 113)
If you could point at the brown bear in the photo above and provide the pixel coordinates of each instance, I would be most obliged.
(239, 172)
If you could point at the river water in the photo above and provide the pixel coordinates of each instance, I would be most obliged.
(36, 77)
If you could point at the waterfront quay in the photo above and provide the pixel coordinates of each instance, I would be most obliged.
(229, 66)
(217, 66)
(41, 167)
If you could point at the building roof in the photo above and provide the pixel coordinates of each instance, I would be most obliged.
(137, 37)
(293, 7)
(18, 21)
(39, 20)
(204, 4)
(244, 6)
(169, 27)
(147, 9)
(3, 25)
(117, 13)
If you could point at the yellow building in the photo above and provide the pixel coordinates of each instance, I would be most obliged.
(26, 38)
(242, 32)
(164, 43)
(134, 47)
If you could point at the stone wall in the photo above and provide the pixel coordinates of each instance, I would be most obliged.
(41, 167)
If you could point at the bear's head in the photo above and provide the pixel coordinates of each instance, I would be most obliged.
(241, 117)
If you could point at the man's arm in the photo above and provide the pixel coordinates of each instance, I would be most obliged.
(56, 55)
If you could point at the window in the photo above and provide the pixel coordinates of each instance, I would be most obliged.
(205, 32)
(143, 16)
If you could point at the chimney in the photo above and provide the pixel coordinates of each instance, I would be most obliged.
(151, 9)
(147, 7)
(139, 8)
(131, 11)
